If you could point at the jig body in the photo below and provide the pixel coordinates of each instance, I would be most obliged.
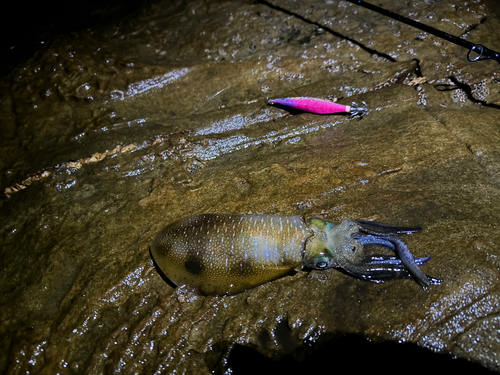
(319, 106)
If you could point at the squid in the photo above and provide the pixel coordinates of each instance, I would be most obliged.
(225, 254)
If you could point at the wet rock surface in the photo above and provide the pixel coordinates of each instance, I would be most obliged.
(111, 133)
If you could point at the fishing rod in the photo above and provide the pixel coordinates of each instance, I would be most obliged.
(483, 53)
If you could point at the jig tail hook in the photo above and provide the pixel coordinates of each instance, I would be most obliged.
(356, 110)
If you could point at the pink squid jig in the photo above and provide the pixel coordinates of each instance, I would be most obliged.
(320, 106)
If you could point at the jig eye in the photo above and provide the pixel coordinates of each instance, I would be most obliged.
(321, 264)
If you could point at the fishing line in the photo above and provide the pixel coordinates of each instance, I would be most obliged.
(483, 53)
(331, 31)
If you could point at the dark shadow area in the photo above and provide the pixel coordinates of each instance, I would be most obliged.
(27, 25)
(466, 89)
(160, 272)
(355, 355)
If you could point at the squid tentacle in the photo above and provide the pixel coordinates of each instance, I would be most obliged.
(407, 263)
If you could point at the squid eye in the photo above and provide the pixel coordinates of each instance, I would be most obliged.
(351, 248)
(321, 265)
